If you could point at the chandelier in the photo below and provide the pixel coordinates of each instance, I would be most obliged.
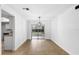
(39, 22)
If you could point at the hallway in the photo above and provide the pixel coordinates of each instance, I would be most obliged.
(37, 47)
(57, 22)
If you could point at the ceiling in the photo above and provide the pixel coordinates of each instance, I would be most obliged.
(46, 11)
(5, 14)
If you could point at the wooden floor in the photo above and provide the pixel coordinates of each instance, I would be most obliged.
(37, 47)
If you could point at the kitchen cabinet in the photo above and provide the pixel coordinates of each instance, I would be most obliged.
(7, 26)
(7, 42)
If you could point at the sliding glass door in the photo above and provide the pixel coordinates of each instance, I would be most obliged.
(38, 31)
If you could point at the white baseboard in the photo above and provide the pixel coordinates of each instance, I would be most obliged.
(61, 46)
(19, 45)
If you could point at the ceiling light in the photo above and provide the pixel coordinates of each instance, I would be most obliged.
(77, 7)
(26, 9)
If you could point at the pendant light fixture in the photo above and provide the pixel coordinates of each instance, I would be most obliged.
(39, 23)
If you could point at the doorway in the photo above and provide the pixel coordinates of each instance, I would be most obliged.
(7, 31)
(38, 31)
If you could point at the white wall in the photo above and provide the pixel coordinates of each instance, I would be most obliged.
(47, 29)
(20, 31)
(20, 27)
(0, 29)
(47, 24)
(67, 31)
(54, 29)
